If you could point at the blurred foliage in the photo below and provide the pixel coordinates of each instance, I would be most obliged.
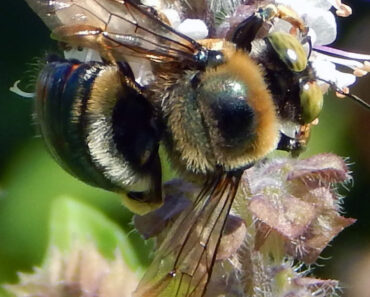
(30, 180)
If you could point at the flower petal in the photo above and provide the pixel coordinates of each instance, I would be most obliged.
(323, 23)
(194, 28)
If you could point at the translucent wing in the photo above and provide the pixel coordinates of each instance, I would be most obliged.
(183, 264)
(117, 26)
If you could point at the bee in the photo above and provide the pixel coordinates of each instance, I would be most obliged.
(218, 106)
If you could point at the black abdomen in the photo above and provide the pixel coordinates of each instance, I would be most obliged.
(98, 125)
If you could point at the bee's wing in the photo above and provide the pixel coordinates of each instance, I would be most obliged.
(183, 264)
(121, 25)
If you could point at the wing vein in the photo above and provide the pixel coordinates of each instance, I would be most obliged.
(164, 26)
(230, 188)
(194, 224)
(230, 199)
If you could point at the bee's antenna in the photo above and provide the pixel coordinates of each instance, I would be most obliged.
(357, 99)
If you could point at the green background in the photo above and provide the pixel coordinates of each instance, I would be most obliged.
(30, 180)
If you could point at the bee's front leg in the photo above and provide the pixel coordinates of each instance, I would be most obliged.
(293, 145)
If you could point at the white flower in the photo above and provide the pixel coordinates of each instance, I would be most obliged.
(317, 17)
(16, 90)
(194, 28)
(82, 54)
(320, 21)
(322, 26)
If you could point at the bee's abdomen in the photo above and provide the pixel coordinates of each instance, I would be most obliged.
(97, 124)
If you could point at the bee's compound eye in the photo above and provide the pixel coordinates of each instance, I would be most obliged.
(289, 50)
(229, 117)
(311, 101)
(98, 125)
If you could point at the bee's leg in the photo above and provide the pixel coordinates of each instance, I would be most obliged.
(126, 70)
(289, 15)
(143, 202)
(289, 144)
(140, 144)
(247, 30)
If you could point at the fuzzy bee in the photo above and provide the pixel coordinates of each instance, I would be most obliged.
(218, 106)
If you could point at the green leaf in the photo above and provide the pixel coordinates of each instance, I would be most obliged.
(71, 221)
